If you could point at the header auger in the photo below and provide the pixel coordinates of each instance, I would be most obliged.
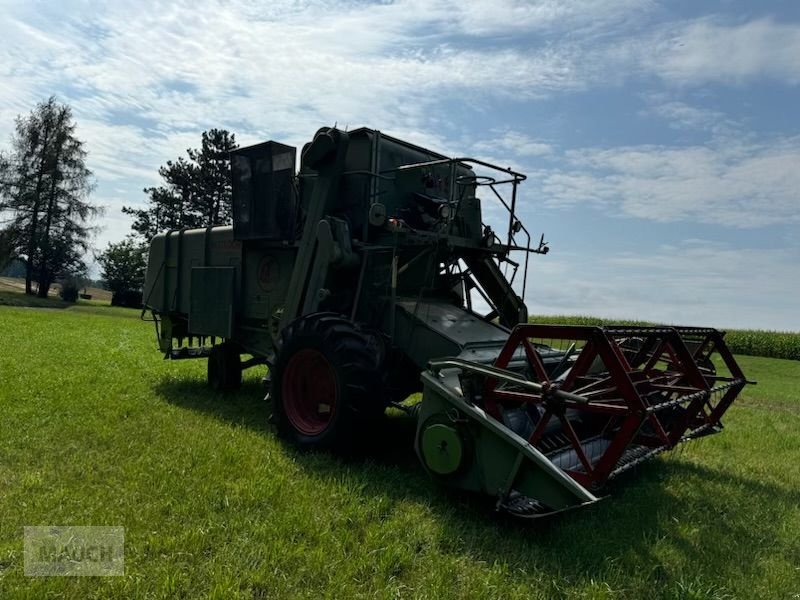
(370, 274)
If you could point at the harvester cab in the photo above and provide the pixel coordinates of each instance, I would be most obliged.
(371, 273)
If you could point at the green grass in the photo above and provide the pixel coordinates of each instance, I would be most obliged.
(98, 430)
(15, 298)
(19, 299)
(753, 342)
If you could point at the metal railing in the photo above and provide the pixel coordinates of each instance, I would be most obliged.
(515, 225)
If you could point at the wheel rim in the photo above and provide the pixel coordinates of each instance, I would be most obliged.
(309, 392)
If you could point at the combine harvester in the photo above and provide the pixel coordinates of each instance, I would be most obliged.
(358, 281)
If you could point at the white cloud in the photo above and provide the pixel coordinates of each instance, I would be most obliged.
(145, 79)
(288, 68)
(681, 115)
(511, 146)
(732, 182)
(694, 283)
(504, 16)
(705, 51)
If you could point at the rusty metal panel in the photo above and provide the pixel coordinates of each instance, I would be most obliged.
(211, 310)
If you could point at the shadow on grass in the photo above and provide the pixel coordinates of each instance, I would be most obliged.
(716, 522)
(24, 300)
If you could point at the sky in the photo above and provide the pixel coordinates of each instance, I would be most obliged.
(661, 139)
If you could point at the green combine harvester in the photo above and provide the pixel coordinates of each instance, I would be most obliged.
(370, 274)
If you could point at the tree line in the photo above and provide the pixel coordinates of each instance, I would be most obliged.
(46, 216)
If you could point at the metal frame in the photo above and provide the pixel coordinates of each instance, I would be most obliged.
(650, 395)
(515, 178)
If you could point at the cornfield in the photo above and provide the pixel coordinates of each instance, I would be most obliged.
(753, 342)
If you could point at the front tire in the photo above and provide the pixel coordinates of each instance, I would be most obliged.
(326, 382)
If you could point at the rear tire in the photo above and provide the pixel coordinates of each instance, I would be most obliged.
(224, 368)
(326, 382)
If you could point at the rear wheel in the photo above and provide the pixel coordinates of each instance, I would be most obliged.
(224, 368)
(326, 382)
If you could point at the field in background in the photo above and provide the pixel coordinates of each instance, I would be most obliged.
(99, 430)
(754, 342)
(14, 284)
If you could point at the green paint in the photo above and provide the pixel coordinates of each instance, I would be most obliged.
(442, 449)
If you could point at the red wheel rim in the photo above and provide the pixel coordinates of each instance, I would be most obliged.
(309, 392)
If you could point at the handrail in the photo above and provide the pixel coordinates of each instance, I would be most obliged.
(518, 177)
(507, 376)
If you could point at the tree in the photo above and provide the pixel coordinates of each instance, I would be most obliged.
(7, 248)
(195, 193)
(44, 189)
(123, 266)
(214, 176)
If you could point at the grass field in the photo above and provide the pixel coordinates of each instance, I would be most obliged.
(98, 430)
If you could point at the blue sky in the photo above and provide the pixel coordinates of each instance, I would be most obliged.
(661, 139)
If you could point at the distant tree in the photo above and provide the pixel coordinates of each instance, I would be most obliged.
(195, 192)
(44, 189)
(123, 268)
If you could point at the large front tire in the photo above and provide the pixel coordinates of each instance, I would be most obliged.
(326, 382)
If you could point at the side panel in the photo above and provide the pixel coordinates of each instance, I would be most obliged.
(174, 254)
(211, 301)
(153, 294)
(405, 194)
(203, 282)
(266, 271)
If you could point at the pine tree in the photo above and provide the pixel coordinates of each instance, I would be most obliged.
(44, 188)
(195, 193)
(214, 176)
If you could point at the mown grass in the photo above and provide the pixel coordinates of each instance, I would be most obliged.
(98, 430)
(19, 299)
(753, 342)
(15, 298)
